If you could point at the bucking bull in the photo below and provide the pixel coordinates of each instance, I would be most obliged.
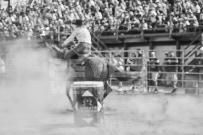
(95, 68)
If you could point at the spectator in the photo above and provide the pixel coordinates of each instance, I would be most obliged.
(135, 23)
(98, 17)
(136, 61)
(187, 5)
(153, 70)
(170, 70)
(196, 9)
(200, 66)
(127, 15)
(140, 62)
(152, 17)
(144, 25)
(192, 19)
(183, 24)
(201, 17)
(131, 62)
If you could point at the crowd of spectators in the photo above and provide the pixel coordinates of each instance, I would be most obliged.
(47, 19)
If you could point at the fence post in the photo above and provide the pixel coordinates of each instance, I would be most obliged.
(145, 59)
(183, 65)
(110, 59)
(198, 84)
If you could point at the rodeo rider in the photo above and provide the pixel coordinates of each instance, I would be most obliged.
(80, 50)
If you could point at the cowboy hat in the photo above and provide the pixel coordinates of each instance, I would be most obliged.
(78, 22)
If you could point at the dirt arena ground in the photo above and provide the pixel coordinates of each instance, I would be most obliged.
(30, 104)
(123, 115)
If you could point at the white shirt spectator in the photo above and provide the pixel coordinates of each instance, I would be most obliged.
(164, 6)
(81, 33)
(13, 17)
(71, 15)
(54, 16)
(76, 16)
(46, 21)
(185, 22)
(60, 13)
(119, 11)
(196, 8)
(123, 4)
(43, 32)
(47, 30)
(187, 5)
(152, 15)
(98, 15)
(201, 17)
(62, 7)
(193, 20)
(116, 2)
(78, 8)
(144, 25)
(87, 16)
(9, 20)
(91, 3)
(26, 18)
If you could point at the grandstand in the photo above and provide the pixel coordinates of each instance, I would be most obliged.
(4, 3)
(149, 25)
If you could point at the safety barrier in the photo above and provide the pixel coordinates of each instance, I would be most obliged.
(171, 71)
(187, 77)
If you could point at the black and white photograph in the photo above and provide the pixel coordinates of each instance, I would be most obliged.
(101, 67)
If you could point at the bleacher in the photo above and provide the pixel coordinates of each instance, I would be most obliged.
(184, 41)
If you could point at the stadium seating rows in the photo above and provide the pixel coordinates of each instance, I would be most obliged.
(102, 16)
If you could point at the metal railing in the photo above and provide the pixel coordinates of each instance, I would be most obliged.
(98, 42)
(143, 32)
(190, 53)
(188, 81)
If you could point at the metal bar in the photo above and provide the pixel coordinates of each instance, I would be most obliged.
(193, 41)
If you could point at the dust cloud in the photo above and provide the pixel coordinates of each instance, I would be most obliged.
(26, 95)
(155, 114)
(31, 105)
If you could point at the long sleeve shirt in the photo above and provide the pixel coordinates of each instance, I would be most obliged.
(82, 34)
